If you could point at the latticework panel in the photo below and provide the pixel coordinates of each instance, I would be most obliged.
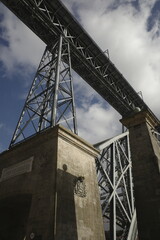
(114, 172)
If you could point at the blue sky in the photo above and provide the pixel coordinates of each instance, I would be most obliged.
(129, 29)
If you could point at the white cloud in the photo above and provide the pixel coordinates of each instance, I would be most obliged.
(23, 47)
(97, 123)
(96, 119)
(134, 50)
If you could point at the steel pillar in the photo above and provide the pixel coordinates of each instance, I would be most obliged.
(50, 100)
(114, 171)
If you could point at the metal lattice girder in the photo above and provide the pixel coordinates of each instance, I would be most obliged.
(48, 19)
(50, 100)
(114, 171)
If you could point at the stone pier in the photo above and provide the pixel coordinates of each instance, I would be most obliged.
(145, 153)
(49, 190)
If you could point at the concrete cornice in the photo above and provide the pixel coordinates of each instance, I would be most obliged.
(139, 118)
(57, 131)
(76, 141)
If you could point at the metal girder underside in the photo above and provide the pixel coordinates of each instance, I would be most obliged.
(114, 172)
(48, 19)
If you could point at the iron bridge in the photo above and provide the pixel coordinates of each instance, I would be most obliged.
(51, 101)
(49, 19)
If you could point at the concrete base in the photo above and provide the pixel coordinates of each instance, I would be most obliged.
(145, 153)
(48, 189)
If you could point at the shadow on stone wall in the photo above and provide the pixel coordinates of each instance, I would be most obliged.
(14, 213)
(66, 226)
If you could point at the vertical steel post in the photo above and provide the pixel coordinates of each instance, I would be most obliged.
(113, 201)
(57, 76)
(73, 101)
(130, 175)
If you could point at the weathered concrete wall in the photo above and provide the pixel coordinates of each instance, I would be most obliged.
(145, 153)
(59, 189)
(39, 183)
(82, 206)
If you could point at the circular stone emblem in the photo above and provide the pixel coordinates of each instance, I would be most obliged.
(32, 235)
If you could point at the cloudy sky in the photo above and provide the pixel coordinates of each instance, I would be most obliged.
(129, 29)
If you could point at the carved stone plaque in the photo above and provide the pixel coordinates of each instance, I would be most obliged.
(80, 187)
(17, 169)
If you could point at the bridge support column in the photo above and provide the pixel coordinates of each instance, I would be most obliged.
(49, 189)
(145, 153)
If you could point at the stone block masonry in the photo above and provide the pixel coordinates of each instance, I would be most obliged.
(145, 153)
(49, 190)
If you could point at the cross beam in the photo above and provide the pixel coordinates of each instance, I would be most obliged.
(48, 19)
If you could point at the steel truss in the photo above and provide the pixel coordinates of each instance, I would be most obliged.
(48, 19)
(114, 171)
(50, 100)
